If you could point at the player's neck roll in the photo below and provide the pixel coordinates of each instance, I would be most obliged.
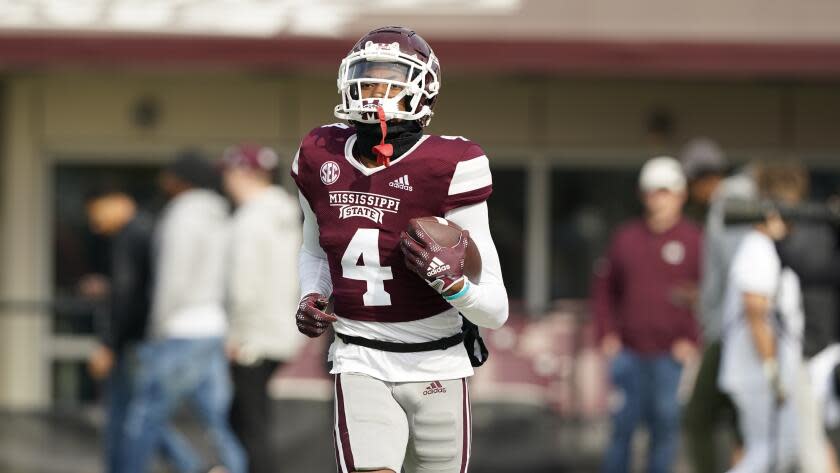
(402, 135)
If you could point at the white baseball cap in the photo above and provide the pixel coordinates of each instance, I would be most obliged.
(663, 172)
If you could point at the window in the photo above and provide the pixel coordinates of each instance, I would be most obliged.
(587, 205)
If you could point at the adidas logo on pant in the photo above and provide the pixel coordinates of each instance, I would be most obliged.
(434, 388)
(401, 183)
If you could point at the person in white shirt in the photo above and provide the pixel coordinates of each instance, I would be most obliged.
(184, 360)
(762, 350)
(262, 291)
(762, 367)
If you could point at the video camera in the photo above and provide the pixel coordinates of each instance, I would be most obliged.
(748, 211)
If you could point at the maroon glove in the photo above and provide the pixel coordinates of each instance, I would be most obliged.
(442, 267)
(311, 319)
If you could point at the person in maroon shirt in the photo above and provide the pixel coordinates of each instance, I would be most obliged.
(643, 296)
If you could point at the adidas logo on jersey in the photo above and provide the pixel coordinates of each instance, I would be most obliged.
(434, 388)
(436, 267)
(401, 183)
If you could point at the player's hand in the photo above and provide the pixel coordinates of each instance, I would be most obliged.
(684, 351)
(100, 362)
(771, 372)
(685, 295)
(311, 319)
(611, 345)
(442, 267)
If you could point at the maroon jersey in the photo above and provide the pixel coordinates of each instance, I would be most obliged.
(362, 211)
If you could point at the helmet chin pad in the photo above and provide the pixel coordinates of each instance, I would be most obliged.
(390, 106)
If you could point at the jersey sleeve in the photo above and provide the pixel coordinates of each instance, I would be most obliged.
(298, 172)
(302, 163)
(486, 302)
(756, 267)
(471, 182)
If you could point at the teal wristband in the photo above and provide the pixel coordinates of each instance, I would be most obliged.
(459, 293)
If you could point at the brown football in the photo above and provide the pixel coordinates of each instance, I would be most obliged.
(446, 233)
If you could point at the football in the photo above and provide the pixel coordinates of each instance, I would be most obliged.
(446, 233)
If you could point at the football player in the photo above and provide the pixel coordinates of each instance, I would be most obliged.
(400, 366)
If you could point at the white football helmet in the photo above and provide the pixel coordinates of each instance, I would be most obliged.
(399, 67)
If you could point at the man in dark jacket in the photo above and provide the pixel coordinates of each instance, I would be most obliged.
(113, 214)
(810, 250)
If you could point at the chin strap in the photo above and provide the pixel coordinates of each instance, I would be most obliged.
(384, 151)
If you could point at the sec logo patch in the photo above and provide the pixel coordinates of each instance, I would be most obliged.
(673, 252)
(329, 172)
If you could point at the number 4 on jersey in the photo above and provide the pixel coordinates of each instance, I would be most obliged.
(361, 262)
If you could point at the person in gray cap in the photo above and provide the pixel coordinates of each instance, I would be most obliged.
(705, 166)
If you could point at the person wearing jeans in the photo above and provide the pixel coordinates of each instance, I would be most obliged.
(184, 358)
(643, 295)
(167, 374)
(648, 393)
(114, 214)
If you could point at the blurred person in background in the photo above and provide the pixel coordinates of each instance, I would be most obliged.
(710, 410)
(644, 291)
(705, 166)
(824, 371)
(809, 248)
(811, 251)
(114, 214)
(262, 291)
(761, 356)
(185, 358)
